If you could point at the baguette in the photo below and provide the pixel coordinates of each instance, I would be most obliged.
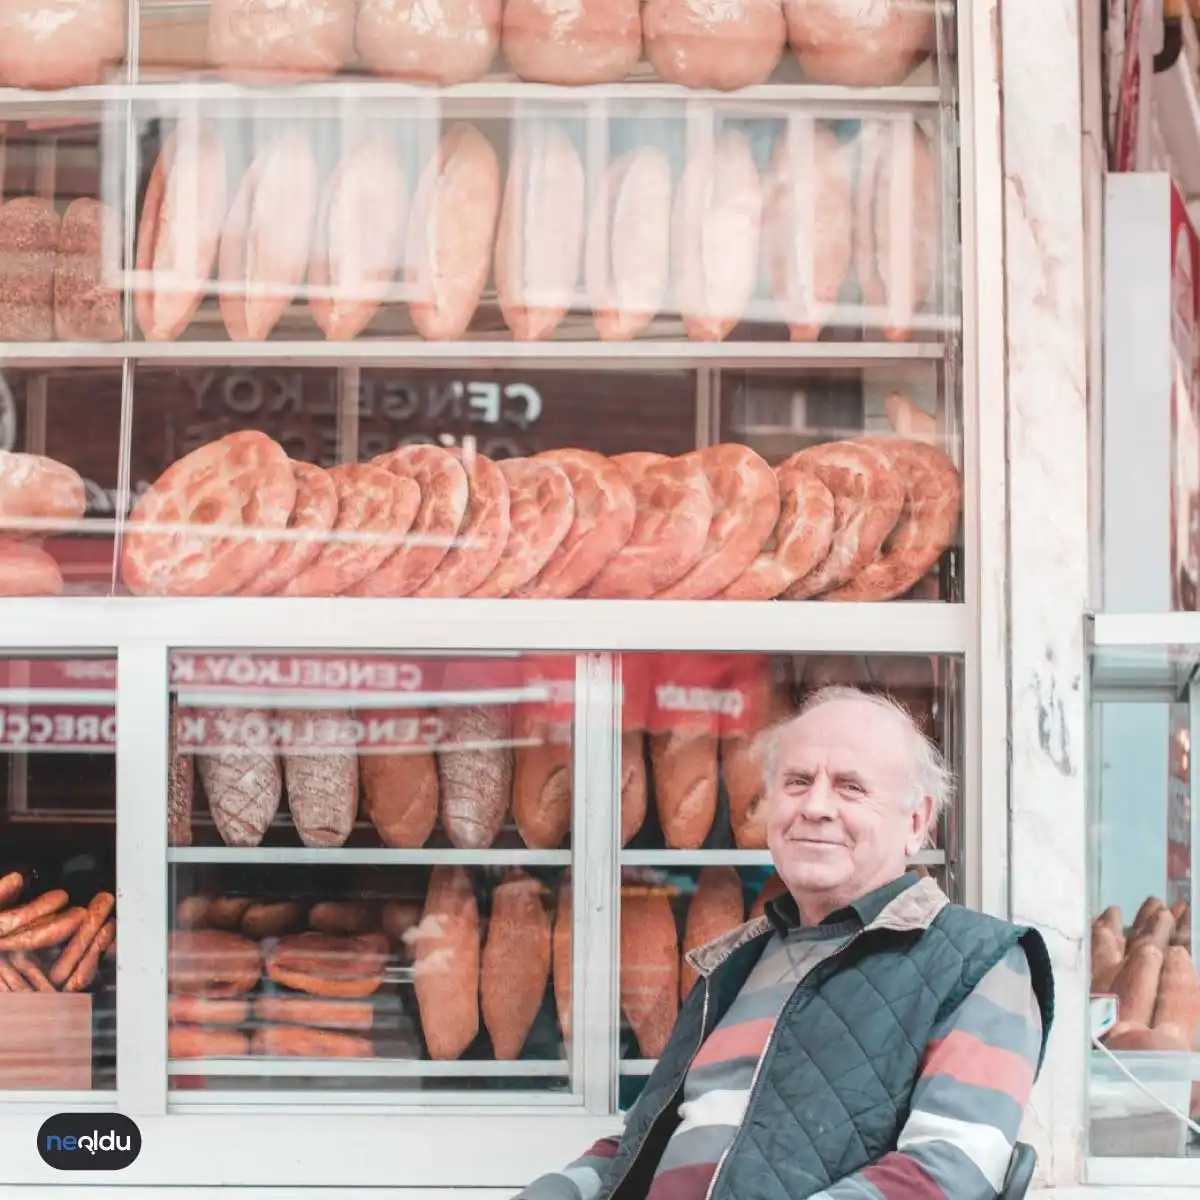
(516, 963)
(634, 801)
(542, 791)
(446, 964)
(400, 796)
(561, 957)
(322, 788)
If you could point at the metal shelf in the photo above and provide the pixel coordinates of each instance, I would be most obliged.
(590, 355)
(485, 96)
(397, 1068)
(464, 626)
(738, 858)
(243, 856)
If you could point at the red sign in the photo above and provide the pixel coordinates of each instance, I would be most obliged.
(385, 731)
(44, 674)
(718, 694)
(57, 727)
(307, 672)
(1129, 103)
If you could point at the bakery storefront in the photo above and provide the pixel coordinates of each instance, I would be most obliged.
(434, 440)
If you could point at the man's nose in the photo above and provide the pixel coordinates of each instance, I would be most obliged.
(817, 802)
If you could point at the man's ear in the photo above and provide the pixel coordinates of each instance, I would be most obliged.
(920, 820)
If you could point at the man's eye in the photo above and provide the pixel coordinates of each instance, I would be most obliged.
(855, 789)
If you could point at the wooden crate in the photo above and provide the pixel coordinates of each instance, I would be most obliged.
(46, 1041)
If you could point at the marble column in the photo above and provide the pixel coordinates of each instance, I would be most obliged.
(1047, 407)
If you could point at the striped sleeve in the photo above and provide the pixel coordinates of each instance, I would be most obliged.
(579, 1181)
(975, 1082)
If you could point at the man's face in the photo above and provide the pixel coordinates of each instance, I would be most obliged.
(840, 820)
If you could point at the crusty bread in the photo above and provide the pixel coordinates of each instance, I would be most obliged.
(542, 787)
(475, 784)
(86, 307)
(400, 796)
(562, 957)
(685, 786)
(243, 784)
(446, 964)
(29, 236)
(516, 963)
(322, 788)
(649, 966)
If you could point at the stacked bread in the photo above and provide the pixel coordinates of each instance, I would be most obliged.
(823, 215)
(697, 43)
(48, 945)
(853, 520)
(37, 495)
(52, 271)
(1148, 967)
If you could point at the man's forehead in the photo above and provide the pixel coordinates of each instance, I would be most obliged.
(850, 733)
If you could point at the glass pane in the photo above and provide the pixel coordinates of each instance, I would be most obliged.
(57, 874)
(543, 484)
(1145, 992)
(368, 859)
(695, 861)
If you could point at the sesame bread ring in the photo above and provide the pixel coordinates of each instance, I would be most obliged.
(801, 539)
(375, 511)
(27, 570)
(38, 488)
(745, 509)
(868, 497)
(444, 492)
(604, 515)
(232, 494)
(927, 525)
(315, 512)
(481, 537)
(674, 512)
(541, 506)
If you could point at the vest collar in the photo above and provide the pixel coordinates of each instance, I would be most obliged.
(907, 904)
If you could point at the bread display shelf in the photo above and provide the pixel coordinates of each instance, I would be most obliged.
(738, 858)
(367, 857)
(488, 96)
(578, 355)
(341, 1068)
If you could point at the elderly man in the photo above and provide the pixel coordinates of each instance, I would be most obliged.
(866, 1039)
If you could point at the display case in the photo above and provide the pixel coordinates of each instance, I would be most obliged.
(455, 454)
(1144, 863)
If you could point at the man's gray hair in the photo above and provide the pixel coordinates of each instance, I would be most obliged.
(929, 775)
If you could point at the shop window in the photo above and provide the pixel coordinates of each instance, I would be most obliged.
(58, 921)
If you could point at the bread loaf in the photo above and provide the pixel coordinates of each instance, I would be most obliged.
(561, 949)
(542, 794)
(322, 788)
(449, 246)
(212, 962)
(192, 912)
(633, 784)
(243, 783)
(359, 239)
(54, 44)
(896, 223)
(539, 240)
(198, 1010)
(29, 236)
(772, 888)
(400, 795)
(180, 786)
(343, 917)
(475, 783)
(808, 226)
(649, 967)
(1136, 984)
(267, 236)
(721, 44)
(349, 968)
(516, 963)
(279, 1041)
(270, 39)
(270, 920)
(180, 230)
(87, 308)
(399, 920)
(627, 254)
(431, 41)
(685, 786)
(226, 912)
(1177, 1006)
(871, 44)
(715, 225)
(716, 907)
(320, 1014)
(446, 964)
(572, 44)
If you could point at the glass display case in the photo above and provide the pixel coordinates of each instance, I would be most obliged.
(456, 453)
(1144, 863)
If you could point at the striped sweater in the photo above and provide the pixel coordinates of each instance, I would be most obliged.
(975, 1081)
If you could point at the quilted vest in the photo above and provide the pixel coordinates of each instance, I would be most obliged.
(835, 1084)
